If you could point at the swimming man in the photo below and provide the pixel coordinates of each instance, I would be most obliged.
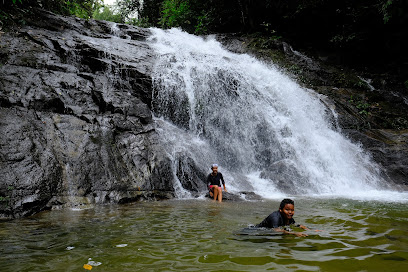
(283, 217)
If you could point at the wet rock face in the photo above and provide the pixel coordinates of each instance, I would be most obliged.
(75, 120)
(389, 148)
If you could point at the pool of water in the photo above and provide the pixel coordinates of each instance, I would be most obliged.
(201, 235)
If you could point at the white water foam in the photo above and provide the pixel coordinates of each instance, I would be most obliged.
(264, 188)
(269, 134)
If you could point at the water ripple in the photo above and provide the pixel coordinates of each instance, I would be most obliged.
(196, 235)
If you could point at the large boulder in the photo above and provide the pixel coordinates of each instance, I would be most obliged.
(75, 121)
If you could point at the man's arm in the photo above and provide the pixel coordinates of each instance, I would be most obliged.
(298, 234)
(305, 228)
(223, 182)
(208, 181)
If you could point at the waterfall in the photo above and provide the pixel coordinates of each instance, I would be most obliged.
(115, 31)
(268, 134)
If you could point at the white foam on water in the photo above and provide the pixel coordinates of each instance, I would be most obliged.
(263, 187)
(259, 125)
(122, 245)
(370, 195)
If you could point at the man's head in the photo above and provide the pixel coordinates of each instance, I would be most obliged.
(287, 208)
(214, 168)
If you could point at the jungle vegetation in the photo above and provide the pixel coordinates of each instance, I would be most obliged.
(372, 32)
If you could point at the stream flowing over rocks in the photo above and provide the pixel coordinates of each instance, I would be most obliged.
(77, 128)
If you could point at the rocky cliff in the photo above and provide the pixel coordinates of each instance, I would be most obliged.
(75, 122)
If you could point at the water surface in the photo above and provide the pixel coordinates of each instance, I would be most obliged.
(200, 235)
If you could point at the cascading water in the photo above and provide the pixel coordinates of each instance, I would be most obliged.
(268, 134)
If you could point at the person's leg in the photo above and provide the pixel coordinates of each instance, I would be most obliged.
(219, 189)
(215, 191)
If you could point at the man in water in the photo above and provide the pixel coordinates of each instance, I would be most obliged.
(214, 183)
(283, 217)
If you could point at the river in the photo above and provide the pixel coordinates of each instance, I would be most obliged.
(202, 235)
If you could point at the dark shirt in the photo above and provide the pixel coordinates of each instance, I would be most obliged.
(274, 220)
(215, 180)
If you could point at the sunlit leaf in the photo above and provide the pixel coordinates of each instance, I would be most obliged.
(87, 266)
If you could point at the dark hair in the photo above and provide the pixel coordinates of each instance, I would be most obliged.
(284, 202)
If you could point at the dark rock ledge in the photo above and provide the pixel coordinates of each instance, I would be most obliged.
(75, 120)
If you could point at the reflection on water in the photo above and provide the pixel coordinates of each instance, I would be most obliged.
(200, 235)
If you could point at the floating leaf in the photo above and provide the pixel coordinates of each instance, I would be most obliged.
(87, 266)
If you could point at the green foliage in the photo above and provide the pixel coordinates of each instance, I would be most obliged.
(385, 10)
(142, 22)
(127, 9)
(175, 13)
(192, 16)
(108, 14)
(5, 199)
(202, 24)
(361, 85)
(260, 41)
(363, 105)
(82, 8)
(340, 39)
(75, 9)
(14, 12)
(19, 8)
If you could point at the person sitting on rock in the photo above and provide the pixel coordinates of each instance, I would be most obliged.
(283, 217)
(214, 183)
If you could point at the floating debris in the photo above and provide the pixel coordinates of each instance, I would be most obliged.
(93, 263)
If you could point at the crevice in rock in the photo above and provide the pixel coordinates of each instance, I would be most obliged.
(52, 105)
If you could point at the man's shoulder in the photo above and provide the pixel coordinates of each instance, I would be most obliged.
(271, 221)
(275, 214)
